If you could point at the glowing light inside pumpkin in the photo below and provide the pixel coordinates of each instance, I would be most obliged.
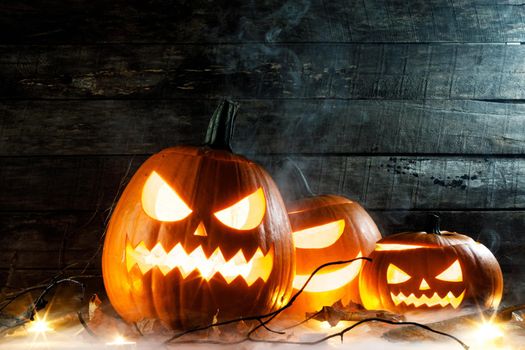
(258, 266)
(246, 214)
(318, 237)
(161, 202)
(323, 282)
(385, 247)
(200, 230)
(452, 273)
(435, 299)
(394, 275)
(424, 285)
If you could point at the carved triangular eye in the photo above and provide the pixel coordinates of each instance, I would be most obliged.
(246, 214)
(161, 202)
(394, 275)
(452, 273)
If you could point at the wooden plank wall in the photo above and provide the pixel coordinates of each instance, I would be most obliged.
(407, 106)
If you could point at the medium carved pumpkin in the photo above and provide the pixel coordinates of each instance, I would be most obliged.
(413, 271)
(199, 232)
(328, 228)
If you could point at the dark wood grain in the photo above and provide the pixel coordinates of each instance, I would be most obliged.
(264, 126)
(48, 231)
(64, 298)
(379, 182)
(67, 183)
(49, 259)
(346, 71)
(94, 127)
(101, 21)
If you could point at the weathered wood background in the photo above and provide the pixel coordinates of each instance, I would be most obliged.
(407, 106)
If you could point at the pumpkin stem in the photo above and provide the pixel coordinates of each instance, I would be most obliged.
(304, 187)
(221, 125)
(435, 221)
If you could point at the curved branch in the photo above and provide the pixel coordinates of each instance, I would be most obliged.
(272, 314)
(323, 339)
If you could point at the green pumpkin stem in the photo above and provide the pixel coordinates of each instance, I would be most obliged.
(221, 125)
(435, 221)
(304, 188)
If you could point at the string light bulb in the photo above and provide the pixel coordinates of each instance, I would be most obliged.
(488, 333)
(39, 326)
(121, 342)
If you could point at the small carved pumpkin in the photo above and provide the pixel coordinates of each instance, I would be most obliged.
(199, 232)
(328, 228)
(430, 271)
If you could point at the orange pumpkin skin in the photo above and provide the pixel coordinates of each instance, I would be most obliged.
(207, 180)
(451, 267)
(357, 239)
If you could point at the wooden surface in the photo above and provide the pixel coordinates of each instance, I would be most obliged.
(99, 21)
(119, 127)
(409, 107)
(404, 71)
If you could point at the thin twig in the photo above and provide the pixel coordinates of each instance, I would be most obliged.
(263, 324)
(85, 325)
(323, 339)
(40, 302)
(270, 315)
(296, 295)
(312, 316)
(15, 295)
(138, 329)
(37, 304)
(367, 320)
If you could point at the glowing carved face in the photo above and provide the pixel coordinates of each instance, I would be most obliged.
(419, 277)
(420, 271)
(199, 234)
(329, 228)
(161, 202)
(426, 295)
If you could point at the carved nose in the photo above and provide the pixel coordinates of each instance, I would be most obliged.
(424, 285)
(201, 230)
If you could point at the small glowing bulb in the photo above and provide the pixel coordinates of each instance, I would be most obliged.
(120, 341)
(39, 326)
(488, 332)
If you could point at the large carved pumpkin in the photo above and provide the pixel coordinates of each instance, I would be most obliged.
(199, 232)
(413, 271)
(328, 228)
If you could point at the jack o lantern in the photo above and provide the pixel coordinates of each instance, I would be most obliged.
(198, 233)
(413, 271)
(328, 228)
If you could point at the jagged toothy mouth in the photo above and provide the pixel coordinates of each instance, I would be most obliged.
(435, 299)
(259, 266)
